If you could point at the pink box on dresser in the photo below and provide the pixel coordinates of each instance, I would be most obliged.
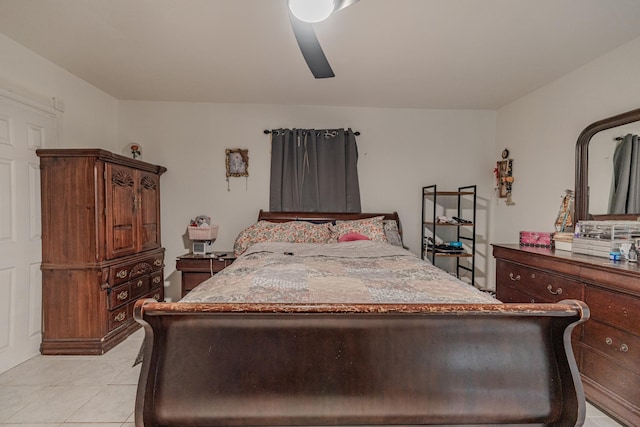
(538, 239)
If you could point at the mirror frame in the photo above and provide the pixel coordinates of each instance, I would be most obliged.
(581, 204)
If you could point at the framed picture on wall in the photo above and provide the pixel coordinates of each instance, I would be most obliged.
(237, 161)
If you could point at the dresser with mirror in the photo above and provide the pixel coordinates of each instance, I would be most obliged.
(607, 347)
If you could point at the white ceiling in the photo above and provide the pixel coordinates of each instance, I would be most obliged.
(385, 53)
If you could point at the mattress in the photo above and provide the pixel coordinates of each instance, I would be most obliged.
(357, 272)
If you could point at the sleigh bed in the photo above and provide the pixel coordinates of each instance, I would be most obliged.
(356, 332)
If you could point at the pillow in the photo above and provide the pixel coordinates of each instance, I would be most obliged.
(291, 231)
(313, 233)
(350, 237)
(264, 231)
(370, 227)
(391, 232)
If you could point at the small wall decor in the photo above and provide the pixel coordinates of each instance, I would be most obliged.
(237, 162)
(133, 150)
(504, 177)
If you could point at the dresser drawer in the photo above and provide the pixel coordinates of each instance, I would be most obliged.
(540, 285)
(198, 268)
(612, 376)
(509, 294)
(124, 313)
(139, 286)
(157, 294)
(119, 295)
(127, 271)
(613, 308)
(191, 280)
(155, 279)
(202, 264)
(120, 316)
(615, 343)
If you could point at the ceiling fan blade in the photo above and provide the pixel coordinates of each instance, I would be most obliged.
(341, 4)
(311, 49)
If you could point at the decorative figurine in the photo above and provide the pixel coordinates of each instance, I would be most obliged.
(135, 150)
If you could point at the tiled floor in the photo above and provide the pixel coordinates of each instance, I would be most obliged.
(57, 391)
(95, 391)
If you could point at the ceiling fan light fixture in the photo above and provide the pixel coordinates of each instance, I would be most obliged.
(311, 11)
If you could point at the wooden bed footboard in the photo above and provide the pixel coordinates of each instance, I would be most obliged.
(316, 365)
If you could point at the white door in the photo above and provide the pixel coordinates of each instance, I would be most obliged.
(24, 127)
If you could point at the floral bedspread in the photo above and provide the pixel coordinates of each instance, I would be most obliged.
(357, 272)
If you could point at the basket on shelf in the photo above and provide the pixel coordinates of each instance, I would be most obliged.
(203, 233)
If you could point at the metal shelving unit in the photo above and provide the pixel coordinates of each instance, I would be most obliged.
(436, 203)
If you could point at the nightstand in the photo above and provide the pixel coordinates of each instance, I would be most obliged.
(198, 268)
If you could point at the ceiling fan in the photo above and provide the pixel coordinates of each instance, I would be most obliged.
(303, 14)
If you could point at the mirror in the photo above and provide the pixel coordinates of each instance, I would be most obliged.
(599, 140)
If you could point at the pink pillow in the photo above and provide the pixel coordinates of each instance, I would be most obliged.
(370, 227)
(349, 237)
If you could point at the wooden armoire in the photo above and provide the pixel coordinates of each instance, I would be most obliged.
(101, 247)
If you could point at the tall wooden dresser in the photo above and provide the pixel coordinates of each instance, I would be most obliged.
(607, 347)
(101, 247)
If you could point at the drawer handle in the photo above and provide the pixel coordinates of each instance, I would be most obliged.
(550, 289)
(120, 317)
(156, 280)
(121, 274)
(123, 295)
(139, 284)
(157, 262)
(156, 297)
(514, 279)
(623, 348)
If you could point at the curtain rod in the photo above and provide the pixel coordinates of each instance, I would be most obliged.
(266, 132)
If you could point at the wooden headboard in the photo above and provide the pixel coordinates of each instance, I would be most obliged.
(319, 217)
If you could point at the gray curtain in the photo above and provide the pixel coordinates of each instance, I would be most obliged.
(625, 197)
(314, 171)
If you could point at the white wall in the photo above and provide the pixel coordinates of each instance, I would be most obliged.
(90, 117)
(541, 130)
(400, 150)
